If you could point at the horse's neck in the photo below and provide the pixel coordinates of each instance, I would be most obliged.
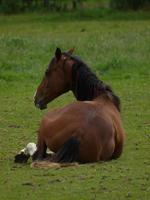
(84, 95)
(87, 87)
(96, 94)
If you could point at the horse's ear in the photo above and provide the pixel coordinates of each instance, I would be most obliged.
(71, 51)
(58, 53)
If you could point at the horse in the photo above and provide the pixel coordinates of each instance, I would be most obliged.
(85, 131)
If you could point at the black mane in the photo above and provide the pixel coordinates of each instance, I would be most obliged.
(86, 85)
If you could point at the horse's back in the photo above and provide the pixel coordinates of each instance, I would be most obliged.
(90, 124)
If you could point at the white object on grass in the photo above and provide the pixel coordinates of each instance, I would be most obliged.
(29, 149)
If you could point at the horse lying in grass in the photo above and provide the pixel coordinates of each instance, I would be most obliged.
(88, 130)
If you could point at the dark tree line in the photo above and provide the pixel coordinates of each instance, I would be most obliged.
(129, 4)
(14, 6)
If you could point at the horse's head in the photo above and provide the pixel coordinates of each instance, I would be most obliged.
(57, 79)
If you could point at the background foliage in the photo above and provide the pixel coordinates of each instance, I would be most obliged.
(129, 4)
(15, 6)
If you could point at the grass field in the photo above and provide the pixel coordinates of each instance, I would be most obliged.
(118, 51)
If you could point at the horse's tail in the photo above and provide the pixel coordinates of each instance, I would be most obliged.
(66, 156)
(119, 142)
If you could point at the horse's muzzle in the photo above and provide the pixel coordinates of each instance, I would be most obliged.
(40, 105)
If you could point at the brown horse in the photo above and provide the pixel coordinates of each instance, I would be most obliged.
(88, 130)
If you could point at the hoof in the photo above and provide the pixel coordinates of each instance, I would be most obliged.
(21, 158)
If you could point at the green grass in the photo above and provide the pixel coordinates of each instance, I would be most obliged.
(118, 50)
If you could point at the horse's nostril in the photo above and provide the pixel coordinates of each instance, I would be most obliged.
(37, 105)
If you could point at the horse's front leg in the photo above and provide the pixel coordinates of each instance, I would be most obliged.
(40, 152)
